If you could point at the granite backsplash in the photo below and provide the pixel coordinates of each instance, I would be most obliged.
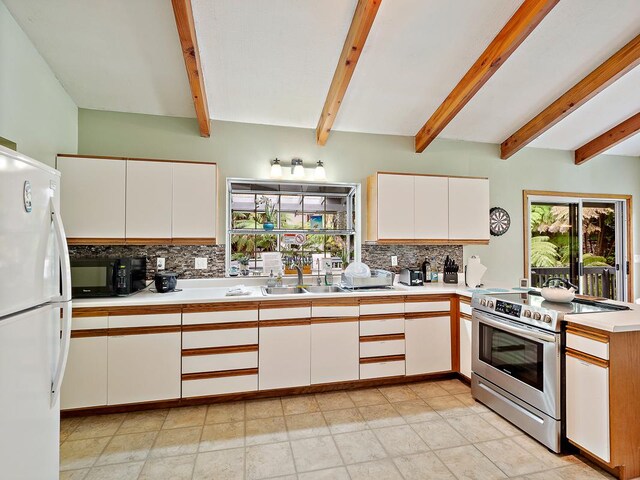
(181, 258)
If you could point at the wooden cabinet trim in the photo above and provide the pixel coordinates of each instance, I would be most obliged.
(387, 358)
(315, 320)
(586, 332)
(291, 322)
(144, 310)
(587, 358)
(465, 300)
(219, 374)
(193, 352)
(218, 326)
(122, 331)
(382, 338)
(95, 241)
(140, 241)
(89, 312)
(466, 316)
(382, 316)
(427, 298)
(384, 299)
(96, 332)
(220, 307)
(285, 304)
(335, 302)
(193, 241)
(135, 159)
(419, 315)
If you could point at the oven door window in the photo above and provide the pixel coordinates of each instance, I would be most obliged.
(517, 356)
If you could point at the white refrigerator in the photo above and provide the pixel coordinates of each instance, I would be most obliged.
(35, 317)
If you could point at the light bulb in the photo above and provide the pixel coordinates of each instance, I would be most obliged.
(276, 169)
(319, 173)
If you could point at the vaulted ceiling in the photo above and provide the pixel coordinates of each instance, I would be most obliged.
(272, 62)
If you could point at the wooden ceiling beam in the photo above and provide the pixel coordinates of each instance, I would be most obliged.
(621, 62)
(183, 13)
(515, 31)
(361, 23)
(608, 139)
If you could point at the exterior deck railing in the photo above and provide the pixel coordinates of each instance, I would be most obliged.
(598, 281)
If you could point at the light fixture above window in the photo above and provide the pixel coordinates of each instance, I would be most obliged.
(276, 169)
(297, 168)
(319, 173)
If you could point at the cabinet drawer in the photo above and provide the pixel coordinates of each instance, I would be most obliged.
(335, 311)
(219, 338)
(381, 348)
(219, 362)
(465, 308)
(218, 386)
(443, 306)
(151, 320)
(284, 313)
(381, 369)
(381, 308)
(89, 323)
(199, 318)
(381, 327)
(587, 345)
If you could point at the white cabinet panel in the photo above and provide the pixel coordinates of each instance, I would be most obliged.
(428, 345)
(194, 200)
(92, 197)
(334, 352)
(468, 208)
(382, 308)
(151, 320)
(465, 347)
(228, 316)
(220, 338)
(85, 379)
(143, 368)
(587, 345)
(148, 199)
(465, 308)
(285, 313)
(285, 356)
(587, 393)
(395, 206)
(218, 386)
(89, 323)
(381, 348)
(220, 361)
(410, 307)
(381, 369)
(431, 207)
(335, 311)
(385, 326)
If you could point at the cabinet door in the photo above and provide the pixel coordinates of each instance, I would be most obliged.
(284, 356)
(194, 200)
(468, 209)
(427, 344)
(395, 206)
(85, 378)
(587, 393)
(92, 197)
(144, 367)
(431, 208)
(465, 347)
(334, 352)
(149, 192)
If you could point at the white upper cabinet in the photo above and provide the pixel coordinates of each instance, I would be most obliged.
(92, 197)
(431, 207)
(427, 208)
(395, 207)
(194, 200)
(468, 209)
(149, 192)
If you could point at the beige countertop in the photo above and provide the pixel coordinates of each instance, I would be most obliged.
(621, 321)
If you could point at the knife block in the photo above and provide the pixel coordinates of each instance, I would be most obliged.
(450, 277)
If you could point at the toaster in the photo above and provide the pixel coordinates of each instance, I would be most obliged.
(412, 277)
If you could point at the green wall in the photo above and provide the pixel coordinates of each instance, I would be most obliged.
(35, 111)
(244, 150)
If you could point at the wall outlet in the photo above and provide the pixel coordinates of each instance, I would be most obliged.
(160, 263)
(201, 263)
(394, 260)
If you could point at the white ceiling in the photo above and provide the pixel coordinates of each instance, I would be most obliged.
(271, 62)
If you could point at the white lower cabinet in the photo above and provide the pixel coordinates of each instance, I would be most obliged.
(587, 393)
(465, 347)
(284, 356)
(144, 367)
(427, 344)
(85, 378)
(334, 352)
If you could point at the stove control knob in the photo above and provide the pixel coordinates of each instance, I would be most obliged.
(490, 303)
(527, 313)
(547, 319)
(536, 316)
(483, 302)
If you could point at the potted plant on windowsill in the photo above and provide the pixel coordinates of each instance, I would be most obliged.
(269, 212)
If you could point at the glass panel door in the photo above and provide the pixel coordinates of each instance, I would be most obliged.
(599, 253)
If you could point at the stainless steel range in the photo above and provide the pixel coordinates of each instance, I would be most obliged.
(516, 359)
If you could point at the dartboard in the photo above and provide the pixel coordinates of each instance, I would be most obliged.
(499, 221)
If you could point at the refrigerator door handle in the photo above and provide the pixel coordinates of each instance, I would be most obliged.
(65, 343)
(63, 249)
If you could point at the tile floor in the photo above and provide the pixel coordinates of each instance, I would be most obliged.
(429, 430)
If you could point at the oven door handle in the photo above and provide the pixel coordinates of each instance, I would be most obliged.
(523, 332)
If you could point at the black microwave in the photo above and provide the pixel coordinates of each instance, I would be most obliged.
(107, 277)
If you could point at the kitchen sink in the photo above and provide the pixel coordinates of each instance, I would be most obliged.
(283, 290)
(324, 289)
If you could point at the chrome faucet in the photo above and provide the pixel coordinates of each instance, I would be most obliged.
(300, 276)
